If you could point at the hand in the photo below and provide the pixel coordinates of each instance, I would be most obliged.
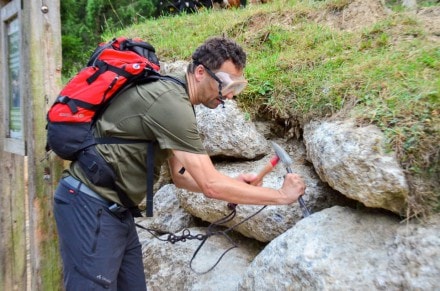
(249, 178)
(293, 187)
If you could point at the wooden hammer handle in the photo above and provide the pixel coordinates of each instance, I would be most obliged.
(266, 170)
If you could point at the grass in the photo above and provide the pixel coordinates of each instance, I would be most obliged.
(387, 74)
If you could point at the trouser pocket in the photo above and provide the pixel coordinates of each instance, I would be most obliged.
(98, 279)
(97, 230)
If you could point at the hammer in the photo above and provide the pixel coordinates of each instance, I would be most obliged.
(259, 178)
(287, 161)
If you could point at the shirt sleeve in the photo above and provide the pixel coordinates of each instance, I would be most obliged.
(172, 120)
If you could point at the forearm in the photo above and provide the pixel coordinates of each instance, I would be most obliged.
(231, 190)
(201, 176)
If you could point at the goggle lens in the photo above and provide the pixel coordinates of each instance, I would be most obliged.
(231, 84)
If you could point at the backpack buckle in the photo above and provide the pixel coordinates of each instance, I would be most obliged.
(116, 208)
(63, 99)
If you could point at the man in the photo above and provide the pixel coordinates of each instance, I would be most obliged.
(98, 241)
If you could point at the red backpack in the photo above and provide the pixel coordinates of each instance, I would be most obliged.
(113, 67)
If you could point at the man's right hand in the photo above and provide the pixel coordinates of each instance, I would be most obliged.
(293, 187)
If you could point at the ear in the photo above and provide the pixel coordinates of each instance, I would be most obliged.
(199, 73)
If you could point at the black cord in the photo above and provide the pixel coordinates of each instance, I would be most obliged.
(186, 235)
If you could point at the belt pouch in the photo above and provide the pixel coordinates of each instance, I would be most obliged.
(97, 170)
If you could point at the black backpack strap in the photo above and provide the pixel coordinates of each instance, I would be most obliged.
(100, 173)
(75, 103)
(153, 76)
(150, 175)
(150, 155)
(150, 179)
(103, 67)
(98, 51)
(118, 140)
(127, 203)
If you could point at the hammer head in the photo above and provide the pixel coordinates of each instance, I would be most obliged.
(282, 154)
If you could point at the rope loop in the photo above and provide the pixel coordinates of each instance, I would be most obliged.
(186, 235)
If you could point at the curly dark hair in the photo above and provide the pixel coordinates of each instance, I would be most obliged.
(215, 51)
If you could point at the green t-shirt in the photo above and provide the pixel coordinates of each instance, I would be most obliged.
(159, 111)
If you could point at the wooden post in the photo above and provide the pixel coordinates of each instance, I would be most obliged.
(29, 257)
(44, 51)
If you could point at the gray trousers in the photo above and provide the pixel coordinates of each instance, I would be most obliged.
(100, 250)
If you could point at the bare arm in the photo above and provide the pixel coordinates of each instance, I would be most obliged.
(181, 177)
(201, 176)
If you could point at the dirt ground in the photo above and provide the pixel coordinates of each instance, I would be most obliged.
(361, 13)
(355, 16)
(430, 17)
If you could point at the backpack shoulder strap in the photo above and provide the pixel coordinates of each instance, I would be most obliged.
(153, 76)
(173, 79)
(150, 179)
(150, 153)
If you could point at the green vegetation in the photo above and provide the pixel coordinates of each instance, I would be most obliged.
(83, 22)
(300, 67)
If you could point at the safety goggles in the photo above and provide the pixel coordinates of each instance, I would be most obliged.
(231, 84)
(227, 83)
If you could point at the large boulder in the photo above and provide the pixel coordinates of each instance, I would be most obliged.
(354, 161)
(226, 132)
(335, 249)
(415, 256)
